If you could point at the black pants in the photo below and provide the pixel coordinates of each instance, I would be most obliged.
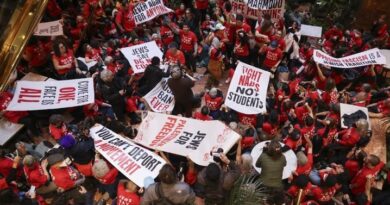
(190, 61)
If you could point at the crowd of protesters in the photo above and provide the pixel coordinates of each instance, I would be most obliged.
(54, 161)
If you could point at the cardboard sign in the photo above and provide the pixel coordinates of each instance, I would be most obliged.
(312, 31)
(248, 89)
(135, 162)
(254, 8)
(365, 58)
(161, 99)
(46, 95)
(146, 11)
(291, 159)
(185, 136)
(351, 112)
(140, 56)
(52, 28)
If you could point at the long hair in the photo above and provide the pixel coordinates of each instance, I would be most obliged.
(56, 46)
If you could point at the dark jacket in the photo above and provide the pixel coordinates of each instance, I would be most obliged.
(152, 76)
(217, 193)
(181, 89)
(83, 151)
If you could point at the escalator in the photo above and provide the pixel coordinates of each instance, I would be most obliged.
(18, 18)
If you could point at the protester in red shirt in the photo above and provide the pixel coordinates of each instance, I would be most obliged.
(35, 175)
(273, 56)
(127, 193)
(173, 56)
(57, 126)
(278, 38)
(300, 182)
(372, 165)
(241, 47)
(214, 100)
(305, 162)
(106, 174)
(35, 53)
(201, 6)
(124, 19)
(12, 116)
(327, 189)
(92, 54)
(64, 62)
(166, 33)
(351, 136)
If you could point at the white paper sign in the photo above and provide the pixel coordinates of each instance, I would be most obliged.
(370, 57)
(46, 95)
(255, 8)
(135, 162)
(52, 28)
(347, 109)
(248, 89)
(185, 136)
(90, 64)
(146, 11)
(160, 98)
(312, 31)
(386, 53)
(140, 56)
(291, 159)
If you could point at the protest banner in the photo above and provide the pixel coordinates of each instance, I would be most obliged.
(146, 11)
(133, 161)
(52, 28)
(254, 8)
(187, 137)
(349, 114)
(248, 89)
(291, 159)
(386, 53)
(46, 95)
(160, 98)
(311, 31)
(140, 56)
(370, 57)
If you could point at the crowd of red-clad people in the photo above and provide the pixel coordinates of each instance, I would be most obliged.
(53, 160)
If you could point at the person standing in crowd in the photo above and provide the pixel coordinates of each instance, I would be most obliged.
(169, 189)
(181, 87)
(272, 162)
(152, 76)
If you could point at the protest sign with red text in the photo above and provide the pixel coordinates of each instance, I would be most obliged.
(160, 98)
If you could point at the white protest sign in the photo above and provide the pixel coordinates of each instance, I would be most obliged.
(160, 98)
(90, 64)
(140, 56)
(386, 53)
(185, 136)
(52, 28)
(370, 57)
(146, 11)
(291, 159)
(46, 95)
(312, 31)
(248, 89)
(135, 162)
(346, 110)
(255, 8)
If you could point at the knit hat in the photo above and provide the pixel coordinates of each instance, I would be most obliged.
(100, 168)
(302, 159)
(67, 141)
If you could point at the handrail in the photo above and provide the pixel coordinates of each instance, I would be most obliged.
(25, 20)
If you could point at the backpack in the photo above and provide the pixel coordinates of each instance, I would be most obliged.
(162, 200)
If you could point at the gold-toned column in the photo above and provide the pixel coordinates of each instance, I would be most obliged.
(20, 27)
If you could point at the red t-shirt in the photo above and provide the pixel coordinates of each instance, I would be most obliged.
(200, 116)
(187, 41)
(65, 59)
(5, 166)
(301, 112)
(110, 177)
(213, 103)
(305, 169)
(35, 175)
(269, 128)
(201, 4)
(382, 108)
(125, 197)
(330, 97)
(38, 55)
(178, 57)
(360, 179)
(294, 191)
(349, 137)
(326, 140)
(241, 50)
(281, 42)
(126, 18)
(247, 119)
(272, 57)
(353, 167)
(12, 116)
(64, 177)
(57, 133)
(92, 111)
(293, 144)
(94, 54)
(167, 36)
(322, 195)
